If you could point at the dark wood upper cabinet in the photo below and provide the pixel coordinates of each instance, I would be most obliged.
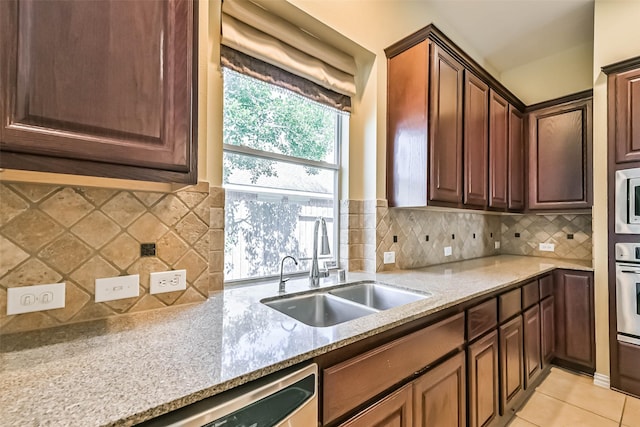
(455, 137)
(407, 126)
(624, 113)
(424, 125)
(516, 171)
(99, 88)
(560, 156)
(574, 316)
(476, 140)
(498, 149)
(445, 132)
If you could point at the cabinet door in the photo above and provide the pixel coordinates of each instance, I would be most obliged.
(483, 380)
(445, 133)
(628, 368)
(476, 140)
(548, 330)
(511, 363)
(439, 396)
(532, 363)
(624, 111)
(498, 149)
(560, 159)
(574, 311)
(393, 411)
(516, 160)
(99, 88)
(408, 77)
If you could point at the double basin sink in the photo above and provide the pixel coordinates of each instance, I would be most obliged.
(328, 307)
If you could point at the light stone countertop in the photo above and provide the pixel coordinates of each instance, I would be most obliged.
(125, 370)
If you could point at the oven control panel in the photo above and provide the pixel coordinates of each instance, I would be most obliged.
(629, 252)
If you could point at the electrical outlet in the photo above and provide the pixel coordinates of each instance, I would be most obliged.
(547, 247)
(389, 257)
(168, 281)
(120, 287)
(447, 251)
(25, 299)
(496, 244)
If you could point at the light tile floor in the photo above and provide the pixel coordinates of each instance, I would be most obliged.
(565, 399)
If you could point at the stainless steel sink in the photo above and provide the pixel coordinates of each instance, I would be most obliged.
(378, 296)
(320, 309)
(328, 307)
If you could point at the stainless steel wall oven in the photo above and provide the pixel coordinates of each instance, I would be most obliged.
(627, 212)
(628, 292)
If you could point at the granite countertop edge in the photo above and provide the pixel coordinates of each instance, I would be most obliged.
(343, 335)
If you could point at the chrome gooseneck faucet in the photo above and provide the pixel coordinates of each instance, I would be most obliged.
(281, 288)
(315, 274)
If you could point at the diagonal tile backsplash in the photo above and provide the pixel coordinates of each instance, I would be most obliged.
(51, 234)
(422, 236)
(570, 233)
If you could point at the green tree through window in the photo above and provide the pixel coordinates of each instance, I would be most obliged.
(280, 172)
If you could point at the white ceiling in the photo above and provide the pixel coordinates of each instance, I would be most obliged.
(511, 33)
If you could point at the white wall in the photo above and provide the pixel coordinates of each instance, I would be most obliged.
(616, 35)
(548, 78)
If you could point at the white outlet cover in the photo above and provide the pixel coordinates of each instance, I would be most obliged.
(168, 281)
(447, 251)
(547, 247)
(25, 299)
(496, 244)
(119, 287)
(389, 257)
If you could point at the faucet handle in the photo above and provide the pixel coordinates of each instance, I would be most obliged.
(330, 264)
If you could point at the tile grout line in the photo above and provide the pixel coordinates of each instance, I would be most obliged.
(586, 410)
(533, 424)
(624, 405)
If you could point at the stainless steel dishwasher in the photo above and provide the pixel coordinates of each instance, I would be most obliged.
(283, 399)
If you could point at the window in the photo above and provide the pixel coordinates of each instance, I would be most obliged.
(281, 165)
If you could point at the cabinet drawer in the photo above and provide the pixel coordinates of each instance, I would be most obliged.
(530, 294)
(546, 286)
(482, 318)
(356, 380)
(510, 304)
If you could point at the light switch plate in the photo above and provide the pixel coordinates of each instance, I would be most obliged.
(389, 257)
(25, 299)
(120, 287)
(168, 281)
(447, 251)
(547, 247)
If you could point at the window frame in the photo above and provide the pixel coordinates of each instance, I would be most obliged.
(341, 118)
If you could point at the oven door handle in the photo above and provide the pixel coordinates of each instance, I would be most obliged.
(630, 271)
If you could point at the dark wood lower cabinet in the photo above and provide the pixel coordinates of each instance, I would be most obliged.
(629, 367)
(483, 380)
(511, 339)
(531, 329)
(394, 410)
(575, 326)
(547, 330)
(511, 363)
(439, 396)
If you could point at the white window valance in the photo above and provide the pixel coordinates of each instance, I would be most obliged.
(254, 31)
